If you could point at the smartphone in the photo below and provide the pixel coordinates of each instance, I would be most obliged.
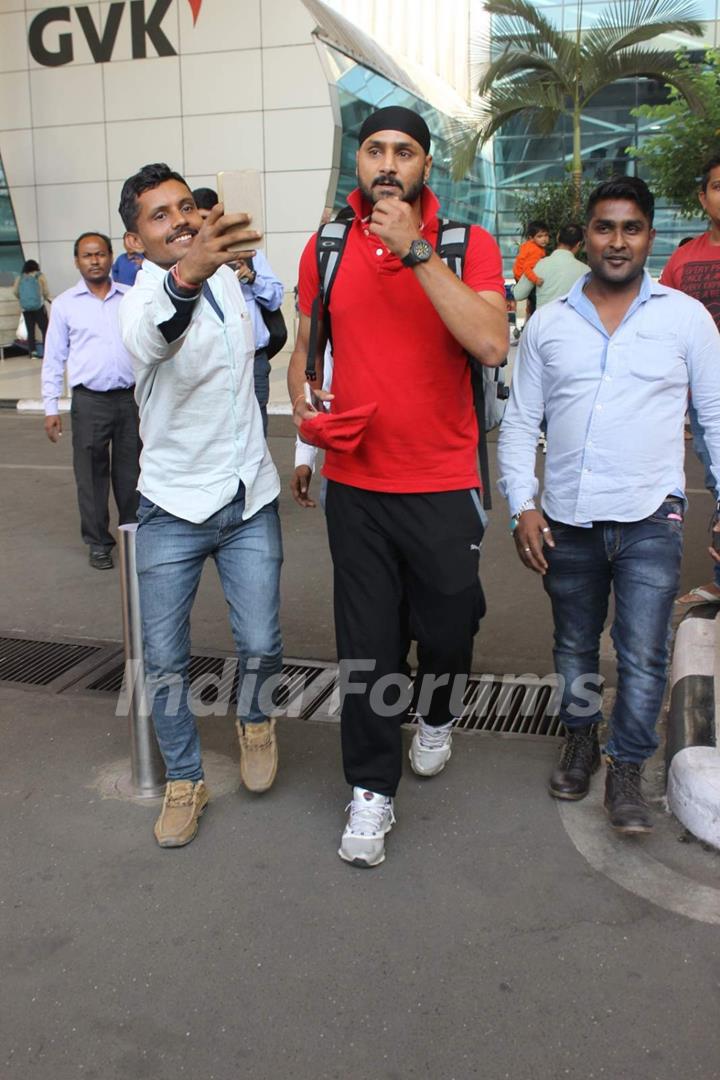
(240, 191)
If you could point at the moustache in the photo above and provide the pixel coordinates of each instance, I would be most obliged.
(179, 232)
(387, 181)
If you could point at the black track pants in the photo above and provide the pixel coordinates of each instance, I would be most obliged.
(405, 566)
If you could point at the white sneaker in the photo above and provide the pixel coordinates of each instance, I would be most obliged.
(371, 817)
(431, 748)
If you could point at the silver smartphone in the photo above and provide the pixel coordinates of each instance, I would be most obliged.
(240, 192)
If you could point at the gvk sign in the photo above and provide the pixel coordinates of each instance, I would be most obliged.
(51, 44)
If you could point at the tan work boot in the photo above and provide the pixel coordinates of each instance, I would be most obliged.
(258, 754)
(184, 802)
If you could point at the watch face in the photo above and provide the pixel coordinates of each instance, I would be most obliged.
(421, 250)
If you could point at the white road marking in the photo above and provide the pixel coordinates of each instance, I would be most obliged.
(624, 861)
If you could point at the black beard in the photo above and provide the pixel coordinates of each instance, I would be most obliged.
(410, 195)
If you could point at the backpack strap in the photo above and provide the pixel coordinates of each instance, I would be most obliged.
(329, 246)
(452, 243)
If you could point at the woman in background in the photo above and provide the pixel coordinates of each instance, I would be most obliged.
(31, 290)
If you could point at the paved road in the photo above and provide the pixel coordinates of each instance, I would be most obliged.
(505, 937)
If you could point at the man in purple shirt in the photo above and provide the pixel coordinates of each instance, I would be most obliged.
(84, 335)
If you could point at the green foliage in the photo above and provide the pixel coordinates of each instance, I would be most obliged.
(541, 74)
(672, 160)
(554, 202)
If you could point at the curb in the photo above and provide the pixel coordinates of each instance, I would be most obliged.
(35, 405)
(692, 758)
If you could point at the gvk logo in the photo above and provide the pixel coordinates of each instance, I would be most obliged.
(54, 51)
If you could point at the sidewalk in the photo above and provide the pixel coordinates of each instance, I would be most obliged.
(506, 936)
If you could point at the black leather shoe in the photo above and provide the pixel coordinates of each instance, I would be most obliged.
(624, 802)
(101, 560)
(579, 759)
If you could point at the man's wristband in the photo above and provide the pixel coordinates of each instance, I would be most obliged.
(179, 281)
(529, 504)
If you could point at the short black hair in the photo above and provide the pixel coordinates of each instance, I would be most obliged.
(710, 164)
(570, 235)
(205, 198)
(623, 187)
(534, 227)
(93, 232)
(147, 178)
(30, 267)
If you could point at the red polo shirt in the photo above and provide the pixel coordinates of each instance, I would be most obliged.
(694, 269)
(390, 346)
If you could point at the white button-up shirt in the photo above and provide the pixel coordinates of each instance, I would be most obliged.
(200, 422)
(615, 405)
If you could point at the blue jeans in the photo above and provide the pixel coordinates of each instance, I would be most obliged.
(170, 554)
(640, 560)
(261, 374)
(704, 455)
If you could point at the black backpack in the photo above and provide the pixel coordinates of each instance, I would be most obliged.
(275, 323)
(278, 330)
(489, 390)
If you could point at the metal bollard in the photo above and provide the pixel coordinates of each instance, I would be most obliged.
(146, 764)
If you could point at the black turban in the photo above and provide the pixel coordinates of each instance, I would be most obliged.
(397, 118)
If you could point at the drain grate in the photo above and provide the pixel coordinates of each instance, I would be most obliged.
(511, 707)
(39, 663)
(306, 689)
(221, 671)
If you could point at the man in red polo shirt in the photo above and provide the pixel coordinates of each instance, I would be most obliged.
(403, 510)
(694, 268)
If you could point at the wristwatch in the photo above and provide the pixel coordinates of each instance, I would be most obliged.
(420, 251)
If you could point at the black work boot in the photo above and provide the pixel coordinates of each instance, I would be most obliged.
(579, 759)
(624, 802)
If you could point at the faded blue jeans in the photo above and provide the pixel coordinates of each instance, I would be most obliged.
(170, 554)
(640, 561)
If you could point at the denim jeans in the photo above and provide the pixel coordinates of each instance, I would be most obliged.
(261, 374)
(704, 455)
(640, 561)
(170, 554)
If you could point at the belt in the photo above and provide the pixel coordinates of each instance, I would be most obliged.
(113, 390)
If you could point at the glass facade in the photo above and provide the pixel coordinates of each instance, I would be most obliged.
(361, 91)
(11, 256)
(523, 158)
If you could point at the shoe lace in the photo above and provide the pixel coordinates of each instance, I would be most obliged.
(578, 750)
(628, 779)
(366, 818)
(180, 794)
(255, 740)
(432, 738)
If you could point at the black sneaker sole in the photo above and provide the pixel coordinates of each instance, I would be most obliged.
(567, 796)
(630, 830)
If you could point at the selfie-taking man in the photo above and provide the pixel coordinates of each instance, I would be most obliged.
(84, 339)
(208, 484)
(403, 512)
(610, 366)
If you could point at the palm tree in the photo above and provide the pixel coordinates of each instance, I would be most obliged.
(544, 74)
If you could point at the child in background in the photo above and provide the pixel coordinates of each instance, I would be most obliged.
(530, 253)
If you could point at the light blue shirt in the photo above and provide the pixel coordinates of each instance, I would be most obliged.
(200, 422)
(84, 335)
(266, 291)
(615, 405)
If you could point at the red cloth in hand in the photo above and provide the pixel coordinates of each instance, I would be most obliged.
(338, 431)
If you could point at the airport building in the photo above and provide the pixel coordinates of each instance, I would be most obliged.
(91, 91)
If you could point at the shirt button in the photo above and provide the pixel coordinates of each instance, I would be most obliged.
(599, 408)
(379, 251)
(608, 378)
